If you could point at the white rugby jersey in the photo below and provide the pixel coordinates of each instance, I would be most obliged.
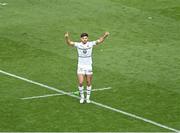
(85, 52)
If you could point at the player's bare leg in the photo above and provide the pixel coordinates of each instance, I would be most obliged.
(81, 87)
(88, 82)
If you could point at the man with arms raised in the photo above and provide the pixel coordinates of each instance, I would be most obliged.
(84, 71)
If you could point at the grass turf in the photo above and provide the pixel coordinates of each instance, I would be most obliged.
(140, 60)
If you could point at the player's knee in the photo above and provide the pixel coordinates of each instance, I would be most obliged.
(80, 84)
(88, 83)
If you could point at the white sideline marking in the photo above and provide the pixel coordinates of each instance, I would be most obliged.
(93, 102)
(3, 4)
(51, 95)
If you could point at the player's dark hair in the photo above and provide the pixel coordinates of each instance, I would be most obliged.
(84, 34)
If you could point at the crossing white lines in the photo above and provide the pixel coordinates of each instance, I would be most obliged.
(93, 102)
(57, 94)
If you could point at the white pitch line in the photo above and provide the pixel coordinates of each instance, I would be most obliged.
(36, 83)
(43, 96)
(3, 4)
(93, 102)
(101, 89)
(57, 94)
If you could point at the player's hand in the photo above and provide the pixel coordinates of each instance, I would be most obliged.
(106, 33)
(66, 34)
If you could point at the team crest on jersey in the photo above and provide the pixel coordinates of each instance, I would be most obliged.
(84, 51)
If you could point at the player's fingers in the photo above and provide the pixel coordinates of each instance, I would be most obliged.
(107, 33)
(66, 34)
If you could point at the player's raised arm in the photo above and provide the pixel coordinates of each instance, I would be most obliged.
(102, 38)
(68, 41)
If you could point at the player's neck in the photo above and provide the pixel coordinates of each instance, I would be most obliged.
(84, 43)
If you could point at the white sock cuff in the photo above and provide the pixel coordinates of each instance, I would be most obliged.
(81, 88)
(89, 88)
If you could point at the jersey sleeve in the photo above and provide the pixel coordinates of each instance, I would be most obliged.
(93, 43)
(76, 44)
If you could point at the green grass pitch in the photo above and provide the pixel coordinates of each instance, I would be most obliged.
(140, 60)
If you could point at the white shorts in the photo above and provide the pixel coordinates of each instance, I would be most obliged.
(85, 69)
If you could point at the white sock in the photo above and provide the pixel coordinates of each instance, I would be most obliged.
(88, 92)
(81, 91)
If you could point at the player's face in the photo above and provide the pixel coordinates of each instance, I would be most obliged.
(84, 39)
